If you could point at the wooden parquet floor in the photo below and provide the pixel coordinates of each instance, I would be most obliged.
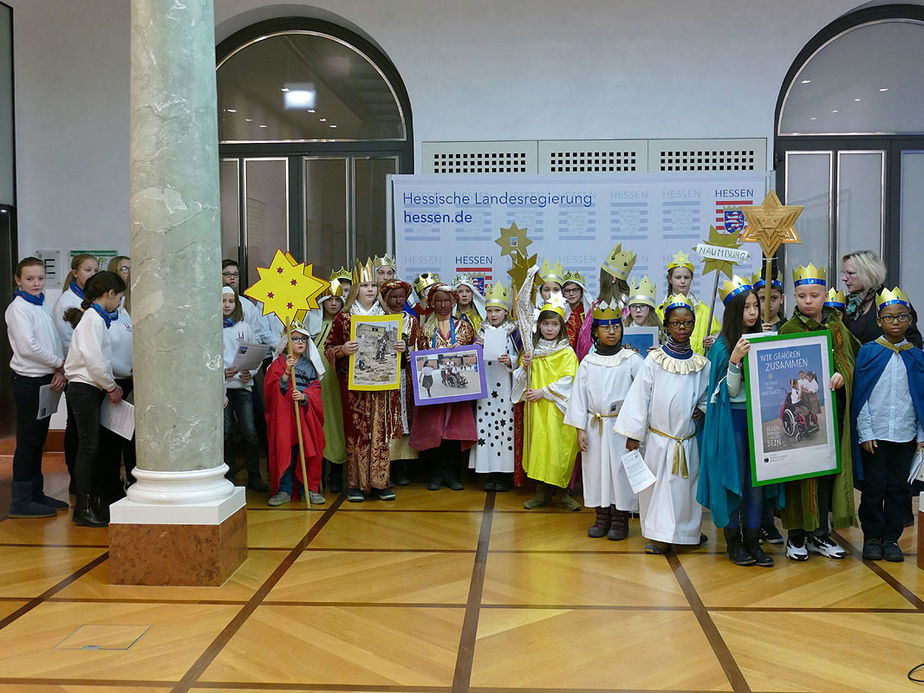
(452, 592)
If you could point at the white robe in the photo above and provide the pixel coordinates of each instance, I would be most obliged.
(494, 451)
(600, 387)
(663, 396)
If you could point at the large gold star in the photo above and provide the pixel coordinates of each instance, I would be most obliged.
(722, 240)
(286, 287)
(513, 239)
(521, 265)
(771, 223)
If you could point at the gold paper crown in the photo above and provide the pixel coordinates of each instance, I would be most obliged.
(809, 275)
(335, 290)
(836, 298)
(732, 288)
(384, 261)
(643, 292)
(678, 301)
(556, 304)
(575, 277)
(891, 298)
(425, 281)
(680, 259)
(363, 273)
(619, 262)
(758, 281)
(605, 313)
(342, 273)
(550, 273)
(497, 296)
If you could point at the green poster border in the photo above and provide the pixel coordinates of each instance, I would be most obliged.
(794, 337)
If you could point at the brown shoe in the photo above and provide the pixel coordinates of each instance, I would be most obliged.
(601, 523)
(619, 526)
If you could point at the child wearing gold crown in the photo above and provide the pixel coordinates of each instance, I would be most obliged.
(642, 306)
(544, 380)
(772, 293)
(662, 407)
(679, 281)
(602, 381)
(575, 292)
(809, 502)
(725, 471)
(614, 290)
(285, 469)
(494, 453)
(888, 401)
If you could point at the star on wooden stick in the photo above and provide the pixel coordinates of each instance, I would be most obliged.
(521, 265)
(719, 240)
(513, 239)
(771, 224)
(286, 287)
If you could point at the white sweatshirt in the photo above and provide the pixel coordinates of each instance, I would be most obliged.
(233, 336)
(89, 360)
(34, 339)
(120, 334)
(67, 299)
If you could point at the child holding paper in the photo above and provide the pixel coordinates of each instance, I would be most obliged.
(38, 361)
(88, 369)
(810, 501)
(493, 454)
(602, 381)
(888, 399)
(237, 389)
(663, 405)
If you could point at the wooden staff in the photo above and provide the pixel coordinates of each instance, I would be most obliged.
(715, 290)
(768, 273)
(298, 420)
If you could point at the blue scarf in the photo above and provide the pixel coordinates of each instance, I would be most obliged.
(103, 313)
(76, 289)
(29, 298)
(452, 334)
(677, 350)
(228, 322)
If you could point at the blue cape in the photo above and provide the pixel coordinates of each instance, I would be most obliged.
(871, 361)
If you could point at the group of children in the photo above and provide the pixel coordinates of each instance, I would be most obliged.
(565, 403)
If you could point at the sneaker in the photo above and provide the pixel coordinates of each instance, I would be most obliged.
(354, 495)
(892, 552)
(822, 544)
(770, 534)
(872, 549)
(658, 548)
(796, 549)
(316, 498)
(279, 498)
(385, 494)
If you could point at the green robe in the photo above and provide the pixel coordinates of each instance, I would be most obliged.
(801, 511)
(334, 441)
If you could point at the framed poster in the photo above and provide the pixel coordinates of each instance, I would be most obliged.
(375, 365)
(640, 338)
(442, 376)
(792, 413)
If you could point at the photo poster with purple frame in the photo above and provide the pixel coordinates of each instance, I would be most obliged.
(443, 376)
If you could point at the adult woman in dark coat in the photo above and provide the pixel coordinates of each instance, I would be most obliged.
(863, 274)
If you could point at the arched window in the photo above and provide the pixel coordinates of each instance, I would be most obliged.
(312, 117)
(850, 141)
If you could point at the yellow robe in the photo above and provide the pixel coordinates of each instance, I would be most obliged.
(699, 330)
(552, 446)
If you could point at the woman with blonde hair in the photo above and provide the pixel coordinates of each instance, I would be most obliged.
(864, 275)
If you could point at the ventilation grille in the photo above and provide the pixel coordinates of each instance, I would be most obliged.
(480, 162)
(708, 155)
(592, 162)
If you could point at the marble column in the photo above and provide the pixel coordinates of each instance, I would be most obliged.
(182, 523)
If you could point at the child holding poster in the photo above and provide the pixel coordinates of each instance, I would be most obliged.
(810, 501)
(888, 399)
(666, 400)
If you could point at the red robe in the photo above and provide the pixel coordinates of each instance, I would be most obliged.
(282, 435)
(575, 321)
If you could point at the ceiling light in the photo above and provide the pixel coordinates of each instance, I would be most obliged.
(806, 81)
(834, 111)
(884, 89)
(230, 110)
(323, 120)
(333, 126)
(249, 120)
(813, 118)
(310, 110)
(284, 89)
(264, 126)
(298, 96)
(855, 100)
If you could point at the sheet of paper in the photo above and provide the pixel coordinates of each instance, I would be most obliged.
(118, 418)
(640, 477)
(495, 344)
(916, 467)
(249, 357)
(48, 401)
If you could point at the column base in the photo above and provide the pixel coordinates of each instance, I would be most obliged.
(178, 528)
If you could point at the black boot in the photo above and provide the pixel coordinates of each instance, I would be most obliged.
(602, 520)
(734, 547)
(38, 495)
(399, 473)
(619, 525)
(436, 474)
(23, 505)
(451, 474)
(503, 481)
(85, 513)
(752, 546)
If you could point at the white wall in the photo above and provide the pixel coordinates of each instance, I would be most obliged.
(474, 69)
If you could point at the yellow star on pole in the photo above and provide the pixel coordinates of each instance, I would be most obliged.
(286, 287)
(521, 265)
(771, 223)
(513, 239)
(722, 240)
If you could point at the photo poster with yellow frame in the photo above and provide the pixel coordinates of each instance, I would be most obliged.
(376, 365)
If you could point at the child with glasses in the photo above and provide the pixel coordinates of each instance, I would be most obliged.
(888, 399)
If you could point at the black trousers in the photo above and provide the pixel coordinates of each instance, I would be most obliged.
(30, 432)
(886, 491)
(112, 451)
(85, 401)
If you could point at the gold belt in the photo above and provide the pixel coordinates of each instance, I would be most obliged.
(680, 456)
(597, 418)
